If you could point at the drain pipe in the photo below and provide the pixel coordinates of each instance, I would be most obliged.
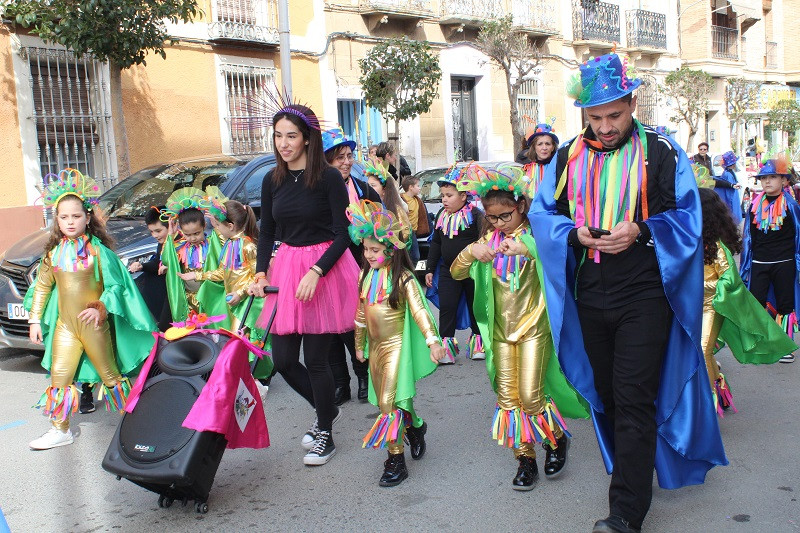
(285, 51)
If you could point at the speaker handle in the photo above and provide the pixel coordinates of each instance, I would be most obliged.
(270, 290)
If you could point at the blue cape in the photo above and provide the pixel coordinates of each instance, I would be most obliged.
(747, 250)
(688, 439)
(730, 196)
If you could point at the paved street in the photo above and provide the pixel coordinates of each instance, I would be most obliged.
(462, 483)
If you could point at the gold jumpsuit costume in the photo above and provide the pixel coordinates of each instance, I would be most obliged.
(77, 291)
(522, 342)
(712, 323)
(383, 326)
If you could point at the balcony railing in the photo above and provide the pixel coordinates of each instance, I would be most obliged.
(536, 15)
(396, 7)
(595, 21)
(771, 57)
(725, 43)
(646, 29)
(245, 20)
(470, 10)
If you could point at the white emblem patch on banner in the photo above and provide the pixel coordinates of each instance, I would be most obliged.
(243, 406)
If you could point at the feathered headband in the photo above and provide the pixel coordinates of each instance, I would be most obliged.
(70, 182)
(373, 221)
(213, 203)
(183, 199)
(376, 170)
(269, 102)
(505, 177)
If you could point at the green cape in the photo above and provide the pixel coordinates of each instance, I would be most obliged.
(568, 401)
(748, 330)
(211, 294)
(415, 359)
(132, 324)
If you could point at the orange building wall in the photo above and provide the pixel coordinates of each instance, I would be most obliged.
(11, 179)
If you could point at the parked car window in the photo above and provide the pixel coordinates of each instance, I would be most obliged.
(429, 187)
(134, 195)
(252, 188)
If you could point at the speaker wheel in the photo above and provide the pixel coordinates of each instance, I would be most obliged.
(164, 501)
(201, 507)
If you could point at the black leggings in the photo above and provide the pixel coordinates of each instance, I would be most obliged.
(781, 277)
(449, 297)
(338, 359)
(314, 382)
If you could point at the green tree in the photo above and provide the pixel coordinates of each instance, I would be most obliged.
(741, 96)
(688, 90)
(400, 78)
(517, 57)
(785, 116)
(122, 32)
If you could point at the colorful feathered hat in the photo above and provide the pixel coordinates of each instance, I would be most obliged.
(506, 177)
(776, 167)
(545, 128)
(376, 170)
(452, 176)
(729, 159)
(333, 137)
(601, 80)
(183, 199)
(373, 221)
(213, 203)
(70, 182)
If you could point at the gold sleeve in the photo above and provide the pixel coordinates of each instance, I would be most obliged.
(212, 275)
(721, 264)
(716, 270)
(361, 326)
(416, 304)
(41, 292)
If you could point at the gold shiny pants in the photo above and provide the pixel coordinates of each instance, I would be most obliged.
(69, 343)
(712, 323)
(520, 375)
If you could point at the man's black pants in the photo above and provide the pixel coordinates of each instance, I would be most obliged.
(626, 347)
(781, 277)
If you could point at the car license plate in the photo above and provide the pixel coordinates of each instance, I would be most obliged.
(422, 265)
(17, 312)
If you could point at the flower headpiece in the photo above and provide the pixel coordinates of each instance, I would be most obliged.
(506, 177)
(213, 203)
(194, 321)
(702, 176)
(70, 182)
(373, 221)
(183, 199)
(376, 170)
(601, 80)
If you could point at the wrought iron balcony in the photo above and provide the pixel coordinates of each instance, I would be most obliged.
(398, 8)
(771, 57)
(245, 20)
(725, 43)
(536, 16)
(595, 21)
(469, 12)
(646, 29)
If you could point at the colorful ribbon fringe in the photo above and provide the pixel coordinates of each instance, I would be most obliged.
(71, 255)
(450, 345)
(232, 255)
(514, 427)
(723, 398)
(452, 223)
(60, 402)
(475, 346)
(788, 323)
(507, 268)
(192, 255)
(768, 215)
(116, 397)
(535, 173)
(377, 285)
(387, 429)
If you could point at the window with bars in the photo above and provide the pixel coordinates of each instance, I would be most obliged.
(245, 86)
(72, 113)
(528, 102)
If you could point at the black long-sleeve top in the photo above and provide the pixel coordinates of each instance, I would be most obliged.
(774, 245)
(633, 274)
(303, 216)
(447, 249)
(151, 266)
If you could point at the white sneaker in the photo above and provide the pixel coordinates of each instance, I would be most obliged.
(311, 435)
(480, 356)
(322, 449)
(788, 358)
(52, 439)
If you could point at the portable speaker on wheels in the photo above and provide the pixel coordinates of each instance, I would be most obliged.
(151, 447)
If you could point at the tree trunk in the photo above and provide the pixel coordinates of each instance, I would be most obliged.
(513, 115)
(690, 140)
(397, 147)
(118, 121)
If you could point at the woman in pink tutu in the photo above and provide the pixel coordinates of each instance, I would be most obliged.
(303, 202)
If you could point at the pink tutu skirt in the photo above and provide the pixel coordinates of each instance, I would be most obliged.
(333, 307)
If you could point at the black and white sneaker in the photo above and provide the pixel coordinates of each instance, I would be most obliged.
(788, 358)
(308, 439)
(321, 450)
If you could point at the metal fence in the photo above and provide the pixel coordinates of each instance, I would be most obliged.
(595, 21)
(244, 87)
(725, 42)
(771, 56)
(72, 113)
(246, 20)
(535, 14)
(397, 5)
(479, 9)
(646, 29)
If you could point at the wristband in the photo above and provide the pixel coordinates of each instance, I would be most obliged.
(430, 341)
(259, 275)
(317, 270)
(34, 321)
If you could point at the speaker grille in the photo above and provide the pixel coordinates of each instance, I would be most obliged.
(153, 432)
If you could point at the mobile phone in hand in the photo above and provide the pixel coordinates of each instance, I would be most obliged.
(598, 232)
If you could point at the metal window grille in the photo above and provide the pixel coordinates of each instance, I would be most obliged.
(647, 102)
(246, 20)
(771, 59)
(479, 9)
(595, 21)
(725, 42)
(72, 113)
(528, 102)
(244, 87)
(536, 14)
(647, 28)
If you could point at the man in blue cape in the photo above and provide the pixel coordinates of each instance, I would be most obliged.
(625, 297)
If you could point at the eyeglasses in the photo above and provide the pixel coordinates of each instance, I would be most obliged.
(505, 217)
(342, 158)
(703, 149)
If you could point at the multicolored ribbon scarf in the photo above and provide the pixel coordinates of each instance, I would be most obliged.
(377, 285)
(535, 173)
(507, 268)
(232, 255)
(452, 223)
(192, 255)
(71, 255)
(768, 215)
